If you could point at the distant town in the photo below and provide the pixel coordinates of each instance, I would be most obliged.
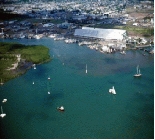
(102, 25)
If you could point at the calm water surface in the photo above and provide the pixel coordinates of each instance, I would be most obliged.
(90, 111)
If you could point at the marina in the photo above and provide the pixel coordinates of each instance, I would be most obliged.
(127, 114)
(77, 69)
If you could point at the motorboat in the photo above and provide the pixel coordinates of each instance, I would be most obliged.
(4, 100)
(112, 90)
(61, 108)
(52, 35)
(123, 52)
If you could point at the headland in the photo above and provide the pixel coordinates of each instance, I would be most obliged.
(16, 59)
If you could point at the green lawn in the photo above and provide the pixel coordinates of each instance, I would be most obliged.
(146, 32)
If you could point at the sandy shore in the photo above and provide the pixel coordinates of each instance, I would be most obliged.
(15, 65)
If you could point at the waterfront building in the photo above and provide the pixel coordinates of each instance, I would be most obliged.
(105, 34)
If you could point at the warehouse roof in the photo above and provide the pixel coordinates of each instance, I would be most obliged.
(100, 33)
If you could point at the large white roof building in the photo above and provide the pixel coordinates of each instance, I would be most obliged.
(106, 34)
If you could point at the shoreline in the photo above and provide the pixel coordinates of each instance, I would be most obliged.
(22, 68)
(20, 58)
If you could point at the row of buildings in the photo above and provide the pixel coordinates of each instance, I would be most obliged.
(72, 15)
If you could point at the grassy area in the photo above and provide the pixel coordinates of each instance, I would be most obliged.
(141, 31)
(146, 32)
(35, 54)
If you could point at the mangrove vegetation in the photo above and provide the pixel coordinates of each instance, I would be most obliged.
(16, 58)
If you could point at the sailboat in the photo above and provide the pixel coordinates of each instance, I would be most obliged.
(37, 36)
(86, 68)
(112, 90)
(138, 74)
(34, 66)
(48, 92)
(1, 82)
(49, 78)
(3, 114)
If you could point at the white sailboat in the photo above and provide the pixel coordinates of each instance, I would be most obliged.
(34, 66)
(48, 92)
(33, 83)
(86, 68)
(37, 36)
(1, 82)
(112, 90)
(138, 74)
(3, 114)
(49, 78)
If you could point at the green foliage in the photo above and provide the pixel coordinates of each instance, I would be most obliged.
(140, 30)
(35, 54)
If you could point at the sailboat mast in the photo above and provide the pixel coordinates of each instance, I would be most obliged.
(1, 109)
(137, 69)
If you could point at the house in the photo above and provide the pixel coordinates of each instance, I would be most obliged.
(143, 41)
(135, 24)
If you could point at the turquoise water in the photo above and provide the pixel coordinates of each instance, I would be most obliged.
(90, 111)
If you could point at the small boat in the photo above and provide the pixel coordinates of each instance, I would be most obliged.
(34, 66)
(3, 114)
(4, 100)
(33, 83)
(61, 108)
(52, 35)
(86, 68)
(138, 74)
(48, 92)
(123, 52)
(49, 78)
(112, 90)
(1, 82)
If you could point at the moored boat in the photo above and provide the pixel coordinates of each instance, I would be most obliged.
(2, 114)
(138, 74)
(112, 90)
(61, 108)
(4, 100)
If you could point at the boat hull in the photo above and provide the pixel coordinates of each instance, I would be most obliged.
(59, 109)
(2, 115)
(137, 75)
